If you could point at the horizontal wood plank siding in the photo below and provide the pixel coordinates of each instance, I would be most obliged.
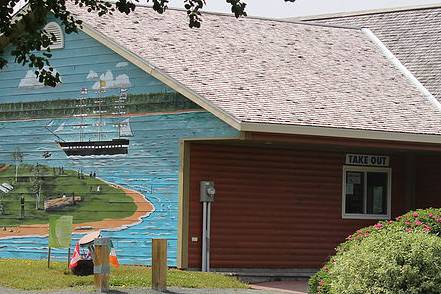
(428, 181)
(274, 208)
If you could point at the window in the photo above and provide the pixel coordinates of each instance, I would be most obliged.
(55, 29)
(366, 192)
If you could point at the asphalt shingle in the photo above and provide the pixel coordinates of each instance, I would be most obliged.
(412, 35)
(276, 72)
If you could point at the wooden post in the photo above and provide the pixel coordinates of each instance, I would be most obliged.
(159, 264)
(49, 258)
(68, 259)
(101, 268)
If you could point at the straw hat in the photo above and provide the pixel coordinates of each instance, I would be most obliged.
(89, 237)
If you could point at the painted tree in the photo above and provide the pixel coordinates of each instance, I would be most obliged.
(17, 156)
(36, 184)
(24, 30)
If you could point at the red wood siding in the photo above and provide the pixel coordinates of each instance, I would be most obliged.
(428, 181)
(274, 208)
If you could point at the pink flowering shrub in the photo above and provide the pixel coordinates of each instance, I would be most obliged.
(420, 222)
(427, 220)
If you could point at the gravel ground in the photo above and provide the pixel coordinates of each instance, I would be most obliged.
(146, 291)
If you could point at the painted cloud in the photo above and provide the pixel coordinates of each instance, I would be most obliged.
(30, 81)
(121, 64)
(107, 77)
(92, 75)
(121, 81)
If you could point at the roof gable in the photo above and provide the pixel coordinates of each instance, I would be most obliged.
(80, 63)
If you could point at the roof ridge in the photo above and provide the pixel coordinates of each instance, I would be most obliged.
(294, 21)
(365, 12)
(403, 69)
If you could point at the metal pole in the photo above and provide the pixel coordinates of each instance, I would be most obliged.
(207, 262)
(204, 236)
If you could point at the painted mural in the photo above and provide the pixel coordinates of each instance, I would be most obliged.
(102, 146)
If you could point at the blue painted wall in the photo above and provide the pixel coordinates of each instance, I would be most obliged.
(159, 117)
(80, 63)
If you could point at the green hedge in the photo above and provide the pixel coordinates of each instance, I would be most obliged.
(401, 256)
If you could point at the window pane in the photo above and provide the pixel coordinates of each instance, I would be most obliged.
(377, 193)
(354, 192)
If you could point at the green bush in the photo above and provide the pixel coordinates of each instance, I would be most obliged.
(390, 262)
(401, 256)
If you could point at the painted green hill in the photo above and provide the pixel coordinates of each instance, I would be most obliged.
(99, 200)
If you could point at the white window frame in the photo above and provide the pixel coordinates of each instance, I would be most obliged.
(349, 168)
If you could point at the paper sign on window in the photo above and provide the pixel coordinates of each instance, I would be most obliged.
(353, 178)
(349, 189)
(377, 200)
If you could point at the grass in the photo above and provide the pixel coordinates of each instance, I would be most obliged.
(34, 275)
(109, 203)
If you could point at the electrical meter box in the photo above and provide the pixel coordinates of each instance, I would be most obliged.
(207, 191)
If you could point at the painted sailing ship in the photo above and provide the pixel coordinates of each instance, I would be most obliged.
(97, 147)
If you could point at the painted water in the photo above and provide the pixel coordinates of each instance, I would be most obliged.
(150, 168)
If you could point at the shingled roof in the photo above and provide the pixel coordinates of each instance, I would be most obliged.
(413, 34)
(260, 74)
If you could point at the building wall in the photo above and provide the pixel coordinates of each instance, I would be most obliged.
(274, 207)
(428, 177)
(132, 197)
(81, 63)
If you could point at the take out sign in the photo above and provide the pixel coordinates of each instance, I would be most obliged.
(370, 160)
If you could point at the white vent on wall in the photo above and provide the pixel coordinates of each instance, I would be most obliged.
(54, 28)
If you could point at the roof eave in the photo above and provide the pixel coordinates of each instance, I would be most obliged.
(339, 133)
